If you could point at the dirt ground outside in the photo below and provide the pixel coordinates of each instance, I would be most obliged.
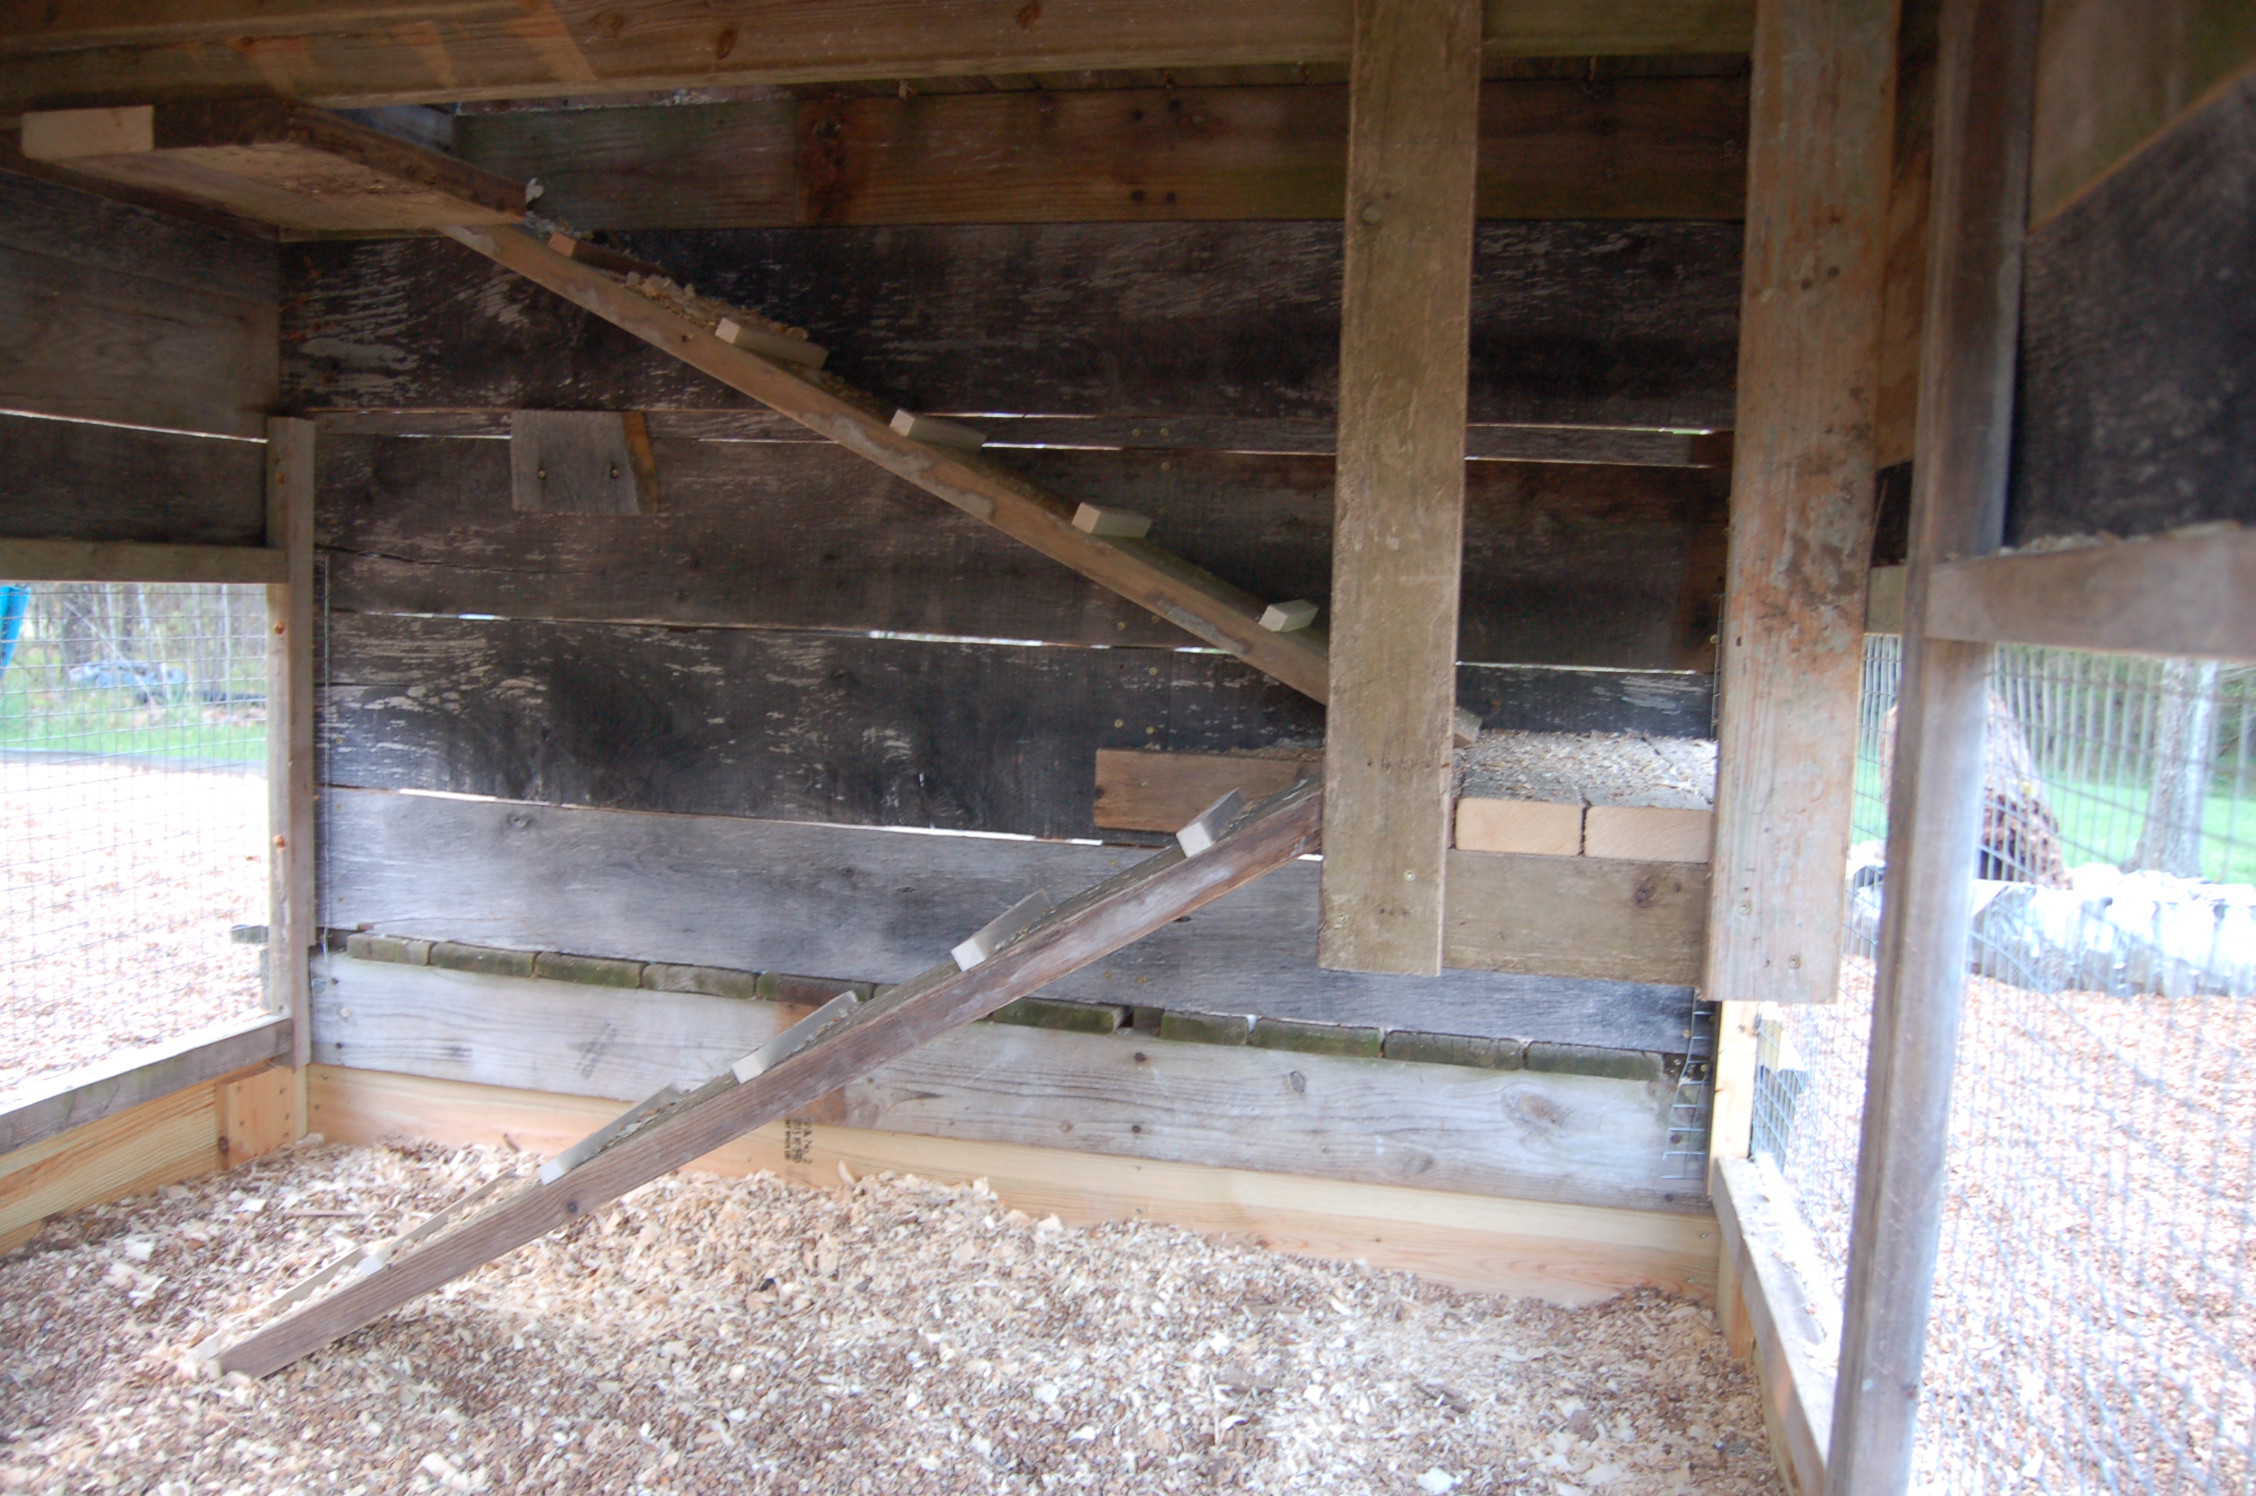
(895, 1337)
(122, 879)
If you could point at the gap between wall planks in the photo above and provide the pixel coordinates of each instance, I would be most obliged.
(872, 904)
(1528, 1134)
(1626, 147)
(1802, 498)
(1566, 564)
(415, 51)
(1200, 602)
(1398, 498)
(1567, 1254)
(1619, 325)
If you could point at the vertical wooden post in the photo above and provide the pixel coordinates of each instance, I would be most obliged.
(1802, 496)
(1731, 1132)
(1398, 538)
(1959, 470)
(289, 731)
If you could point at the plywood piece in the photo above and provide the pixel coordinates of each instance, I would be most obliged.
(1819, 182)
(1581, 916)
(1529, 1134)
(258, 1113)
(276, 161)
(1567, 1254)
(1643, 833)
(1537, 827)
(1399, 498)
(581, 462)
(671, 888)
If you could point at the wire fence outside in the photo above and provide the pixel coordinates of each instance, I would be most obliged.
(133, 819)
(2095, 1314)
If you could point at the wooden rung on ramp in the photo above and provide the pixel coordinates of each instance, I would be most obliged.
(1088, 927)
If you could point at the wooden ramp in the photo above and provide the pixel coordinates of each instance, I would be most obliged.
(832, 1047)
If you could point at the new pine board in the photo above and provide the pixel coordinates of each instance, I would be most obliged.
(69, 480)
(872, 904)
(1532, 1135)
(803, 725)
(1566, 564)
(2137, 408)
(1617, 324)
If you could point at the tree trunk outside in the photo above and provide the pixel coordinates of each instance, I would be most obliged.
(2185, 752)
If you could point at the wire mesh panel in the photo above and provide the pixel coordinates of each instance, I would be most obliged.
(2095, 1312)
(133, 816)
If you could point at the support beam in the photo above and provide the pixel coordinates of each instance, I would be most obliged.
(1960, 469)
(137, 561)
(1088, 927)
(289, 726)
(1399, 497)
(2193, 595)
(1174, 589)
(1802, 496)
(54, 1105)
(361, 53)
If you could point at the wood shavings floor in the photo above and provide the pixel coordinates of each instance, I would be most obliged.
(899, 1337)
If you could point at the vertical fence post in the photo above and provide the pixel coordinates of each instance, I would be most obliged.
(1959, 472)
(289, 733)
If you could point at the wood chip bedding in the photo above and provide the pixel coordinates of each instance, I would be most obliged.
(898, 1337)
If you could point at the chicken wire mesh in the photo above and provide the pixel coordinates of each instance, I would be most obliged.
(2095, 1310)
(133, 816)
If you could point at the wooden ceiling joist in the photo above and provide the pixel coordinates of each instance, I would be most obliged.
(1087, 928)
(366, 52)
(274, 161)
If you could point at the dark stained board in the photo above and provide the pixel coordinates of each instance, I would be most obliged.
(99, 236)
(1622, 324)
(1565, 564)
(2137, 408)
(1550, 148)
(68, 480)
(805, 725)
(867, 904)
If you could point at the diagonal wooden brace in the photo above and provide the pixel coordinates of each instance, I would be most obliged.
(1092, 925)
(1187, 596)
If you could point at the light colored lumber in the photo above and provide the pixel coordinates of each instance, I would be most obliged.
(1985, 76)
(937, 432)
(1577, 917)
(1540, 828)
(1142, 790)
(137, 561)
(1883, 600)
(53, 1105)
(1568, 1254)
(2192, 595)
(159, 1142)
(1647, 833)
(1792, 1316)
(258, 1113)
(1399, 492)
(1202, 831)
(2111, 77)
(1183, 594)
(1530, 1134)
(581, 462)
(1095, 519)
(767, 344)
(1284, 617)
(1099, 920)
(506, 52)
(1000, 931)
(291, 919)
(1802, 495)
(274, 161)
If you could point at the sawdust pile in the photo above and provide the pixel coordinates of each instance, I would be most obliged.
(899, 1337)
(1590, 768)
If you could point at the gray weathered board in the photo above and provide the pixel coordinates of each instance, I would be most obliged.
(2137, 407)
(1565, 565)
(865, 903)
(580, 462)
(70, 480)
(1620, 324)
(113, 314)
(794, 724)
(1531, 1135)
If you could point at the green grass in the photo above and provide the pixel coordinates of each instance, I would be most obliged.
(117, 722)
